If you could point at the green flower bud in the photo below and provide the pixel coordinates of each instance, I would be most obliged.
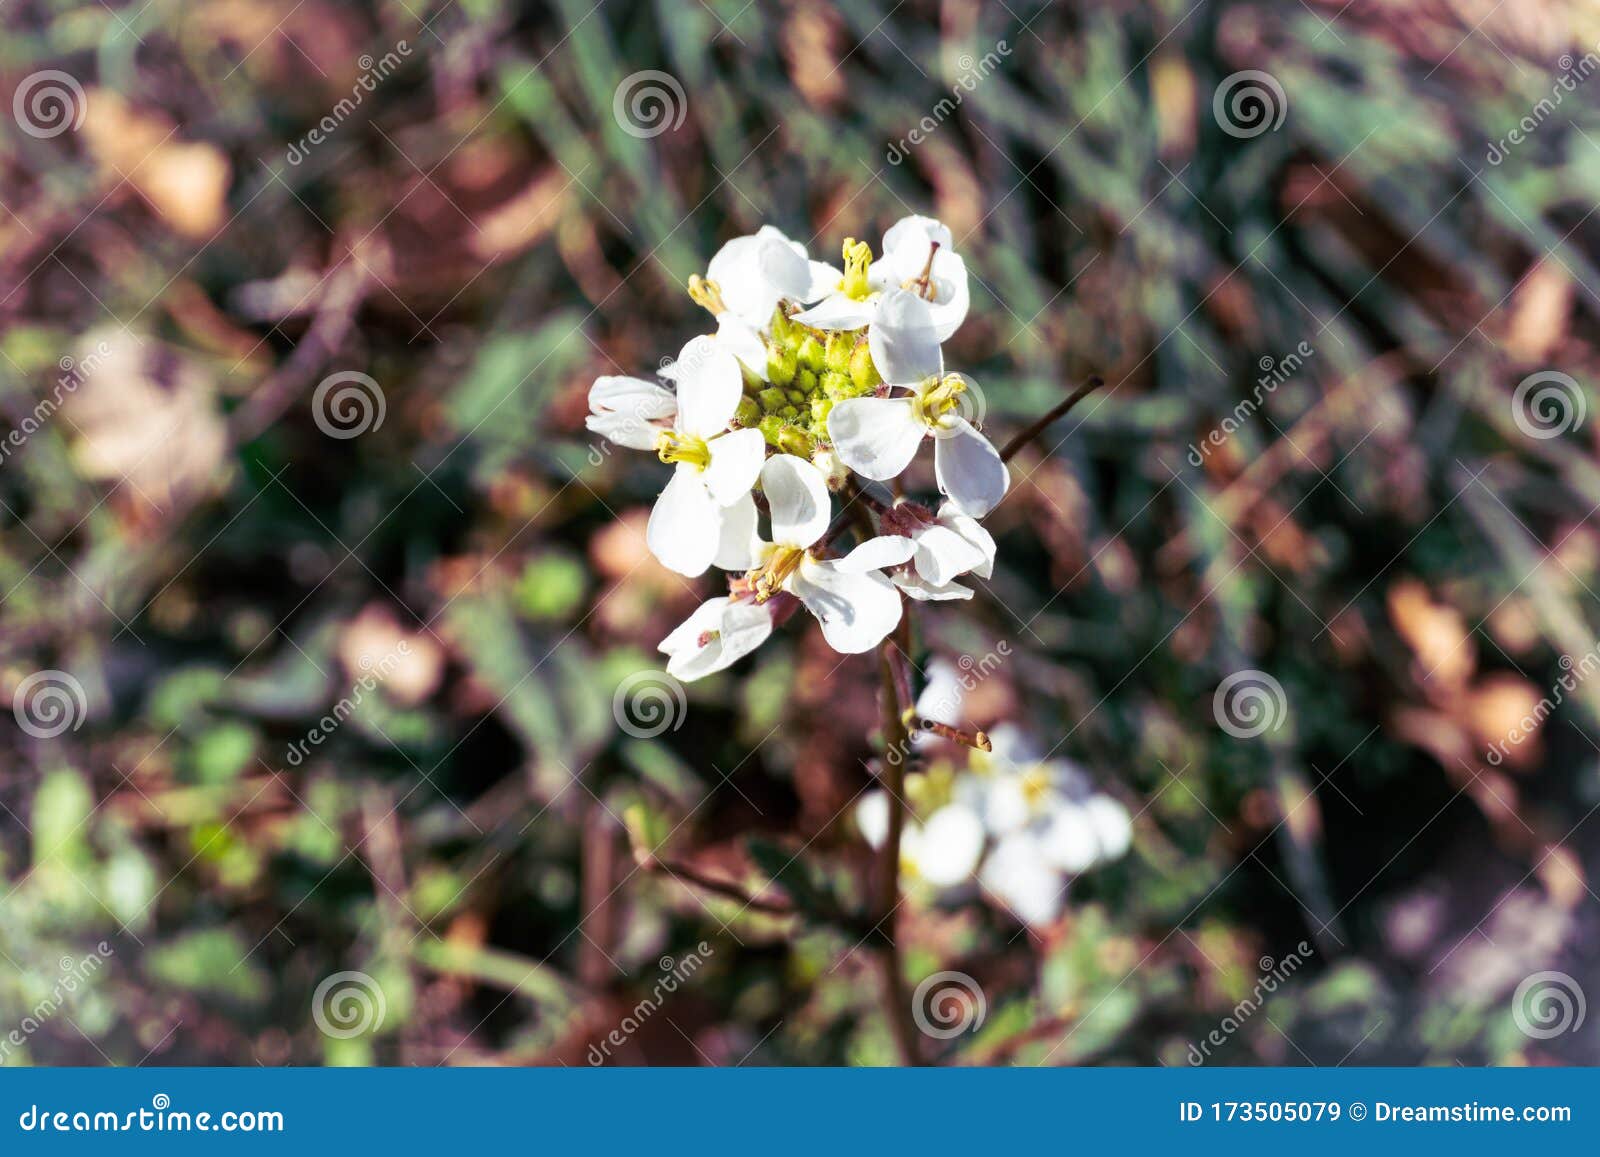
(771, 426)
(798, 397)
(862, 372)
(782, 327)
(819, 411)
(808, 381)
(794, 441)
(811, 354)
(772, 399)
(781, 365)
(790, 412)
(840, 347)
(838, 386)
(749, 412)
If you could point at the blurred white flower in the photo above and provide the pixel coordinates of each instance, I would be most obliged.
(943, 851)
(878, 437)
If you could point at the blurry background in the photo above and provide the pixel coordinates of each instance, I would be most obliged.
(1318, 249)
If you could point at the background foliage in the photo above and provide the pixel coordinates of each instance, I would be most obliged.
(482, 237)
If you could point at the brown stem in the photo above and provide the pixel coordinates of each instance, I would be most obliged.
(897, 744)
(684, 874)
(1043, 423)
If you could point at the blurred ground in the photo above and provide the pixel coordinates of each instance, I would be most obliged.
(1318, 251)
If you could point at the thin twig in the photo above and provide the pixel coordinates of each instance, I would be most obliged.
(886, 945)
(1043, 423)
(687, 875)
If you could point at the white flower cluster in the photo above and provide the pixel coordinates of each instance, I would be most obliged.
(1023, 825)
(818, 381)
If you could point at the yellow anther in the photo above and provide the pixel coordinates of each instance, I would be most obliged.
(674, 447)
(768, 578)
(707, 295)
(857, 262)
(942, 398)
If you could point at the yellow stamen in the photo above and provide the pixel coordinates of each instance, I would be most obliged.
(707, 295)
(1035, 786)
(691, 448)
(857, 262)
(941, 399)
(768, 578)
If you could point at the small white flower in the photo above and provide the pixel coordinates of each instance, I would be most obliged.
(719, 633)
(878, 437)
(708, 497)
(1017, 873)
(918, 256)
(943, 852)
(948, 545)
(745, 282)
(856, 605)
(630, 412)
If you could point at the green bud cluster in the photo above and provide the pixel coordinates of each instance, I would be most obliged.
(808, 370)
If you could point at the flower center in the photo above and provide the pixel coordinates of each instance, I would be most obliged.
(672, 446)
(768, 578)
(1035, 786)
(922, 283)
(939, 398)
(707, 295)
(857, 261)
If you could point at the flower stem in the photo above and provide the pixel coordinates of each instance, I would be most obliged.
(1056, 413)
(897, 746)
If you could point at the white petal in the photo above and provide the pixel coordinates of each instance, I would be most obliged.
(876, 553)
(906, 245)
(738, 545)
(857, 611)
(783, 264)
(838, 312)
(951, 299)
(736, 630)
(872, 817)
(824, 280)
(1069, 840)
(943, 555)
(941, 699)
(624, 430)
(970, 529)
(740, 338)
(905, 348)
(875, 437)
(1112, 827)
(738, 272)
(736, 459)
(709, 387)
(1017, 874)
(685, 637)
(797, 498)
(950, 846)
(969, 469)
(622, 395)
(1009, 744)
(685, 525)
(919, 588)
